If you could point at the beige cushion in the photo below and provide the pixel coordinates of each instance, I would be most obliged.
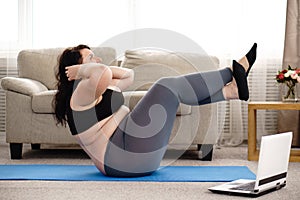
(40, 64)
(133, 97)
(42, 102)
(150, 65)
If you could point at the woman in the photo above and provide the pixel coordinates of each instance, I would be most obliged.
(128, 143)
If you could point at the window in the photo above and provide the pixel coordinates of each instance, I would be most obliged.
(222, 28)
(65, 23)
(9, 24)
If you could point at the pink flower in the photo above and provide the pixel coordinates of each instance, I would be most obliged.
(294, 76)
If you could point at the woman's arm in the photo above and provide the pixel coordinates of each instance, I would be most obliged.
(121, 77)
(95, 79)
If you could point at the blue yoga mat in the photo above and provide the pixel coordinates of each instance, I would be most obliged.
(91, 173)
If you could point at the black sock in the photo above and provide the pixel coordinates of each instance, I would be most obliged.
(240, 76)
(251, 57)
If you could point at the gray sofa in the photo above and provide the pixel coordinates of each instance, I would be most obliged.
(29, 111)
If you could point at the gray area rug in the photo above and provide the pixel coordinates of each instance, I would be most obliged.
(53, 190)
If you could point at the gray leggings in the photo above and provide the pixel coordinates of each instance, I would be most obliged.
(139, 143)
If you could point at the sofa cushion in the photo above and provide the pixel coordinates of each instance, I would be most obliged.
(40, 64)
(133, 97)
(42, 102)
(150, 65)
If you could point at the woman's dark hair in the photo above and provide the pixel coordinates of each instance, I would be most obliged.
(70, 56)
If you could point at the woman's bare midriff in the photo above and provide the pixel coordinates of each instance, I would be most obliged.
(94, 143)
(94, 140)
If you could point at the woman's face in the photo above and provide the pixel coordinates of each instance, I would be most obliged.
(89, 57)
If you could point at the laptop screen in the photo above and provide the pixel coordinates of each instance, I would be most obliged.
(273, 158)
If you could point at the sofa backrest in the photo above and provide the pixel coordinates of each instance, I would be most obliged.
(150, 65)
(41, 64)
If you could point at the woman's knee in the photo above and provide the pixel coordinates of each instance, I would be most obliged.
(167, 82)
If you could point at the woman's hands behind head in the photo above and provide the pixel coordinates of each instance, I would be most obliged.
(85, 71)
(95, 78)
(72, 72)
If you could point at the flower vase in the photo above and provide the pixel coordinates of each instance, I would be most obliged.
(289, 92)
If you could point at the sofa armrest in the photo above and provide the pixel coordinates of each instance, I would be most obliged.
(22, 85)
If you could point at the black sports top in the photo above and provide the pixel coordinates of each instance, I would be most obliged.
(80, 121)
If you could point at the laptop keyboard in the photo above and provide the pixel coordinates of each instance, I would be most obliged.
(245, 187)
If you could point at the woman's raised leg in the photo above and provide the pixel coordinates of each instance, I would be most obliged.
(138, 145)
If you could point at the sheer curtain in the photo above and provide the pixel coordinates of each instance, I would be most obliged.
(13, 37)
(291, 57)
(226, 29)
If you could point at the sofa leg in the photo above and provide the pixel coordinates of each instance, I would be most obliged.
(35, 146)
(205, 151)
(16, 150)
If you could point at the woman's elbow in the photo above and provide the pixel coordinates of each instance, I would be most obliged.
(131, 76)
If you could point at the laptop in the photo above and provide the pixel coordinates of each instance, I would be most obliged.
(271, 171)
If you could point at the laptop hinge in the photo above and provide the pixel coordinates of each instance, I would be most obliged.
(272, 178)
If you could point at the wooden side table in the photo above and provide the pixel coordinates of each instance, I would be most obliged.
(253, 153)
